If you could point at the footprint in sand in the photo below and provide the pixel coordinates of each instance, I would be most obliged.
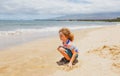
(3, 68)
(116, 67)
(111, 52)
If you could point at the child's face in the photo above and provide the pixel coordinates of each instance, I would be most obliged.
(62, 36)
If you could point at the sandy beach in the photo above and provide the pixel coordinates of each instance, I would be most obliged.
(99, 55)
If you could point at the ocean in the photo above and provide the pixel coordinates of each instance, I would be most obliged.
(13, 32)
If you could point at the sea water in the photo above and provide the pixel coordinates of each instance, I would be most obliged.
(14, 32)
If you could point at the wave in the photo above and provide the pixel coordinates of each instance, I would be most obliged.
(42, 30)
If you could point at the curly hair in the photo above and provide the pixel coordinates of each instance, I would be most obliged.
(67, 33)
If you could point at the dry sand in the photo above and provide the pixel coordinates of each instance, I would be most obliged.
(99, 55)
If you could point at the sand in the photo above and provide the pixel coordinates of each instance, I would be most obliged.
(99, 55)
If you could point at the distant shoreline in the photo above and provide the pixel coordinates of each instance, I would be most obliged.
(104, 20)
(69, 19)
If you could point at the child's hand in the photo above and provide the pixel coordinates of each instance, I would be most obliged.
(70, 65)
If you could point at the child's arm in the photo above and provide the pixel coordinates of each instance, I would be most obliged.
(73, 50)
(73, 56)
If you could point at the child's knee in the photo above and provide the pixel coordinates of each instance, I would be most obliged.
(60, 49)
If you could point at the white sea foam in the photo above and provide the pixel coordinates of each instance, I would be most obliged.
(118, 24)
(41, 30)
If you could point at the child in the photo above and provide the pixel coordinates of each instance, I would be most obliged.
(69, 51)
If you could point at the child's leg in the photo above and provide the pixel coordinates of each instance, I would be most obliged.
(76, 54)
(62, 51)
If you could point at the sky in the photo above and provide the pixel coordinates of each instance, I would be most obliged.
(44, 9)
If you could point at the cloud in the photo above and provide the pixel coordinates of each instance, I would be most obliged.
(57, 7)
